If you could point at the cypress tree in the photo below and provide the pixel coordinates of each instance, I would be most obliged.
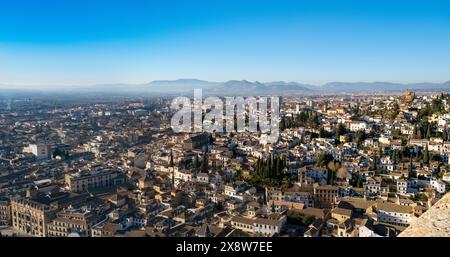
(258, 166)
(418, 133)
(266, 169)
(374, 163)
(426, 156)
(411, 173)
(278, 166)
(197, 162)
(270, 167)
(428, 132)
(173, 178)
(171, 159)
(205, 163)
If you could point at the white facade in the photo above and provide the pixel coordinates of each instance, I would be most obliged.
(438, 185)
(395, 214)
(366, 232)
(358, 125)
(446, 177)
(262, 226)
(41, 151)
(203, 178)
(395, 218)
(372, 186)
(269, 229)
(183, 175)
(402, 186)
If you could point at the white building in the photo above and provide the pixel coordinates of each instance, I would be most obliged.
(395, 214)
(261, 226)
(183, 175)
(202, 177)
(41, 151)
(446, 177)
(233, 190)
(364, 231)
(438, 185)
(402, 186)
(358, 125)
(372, 186)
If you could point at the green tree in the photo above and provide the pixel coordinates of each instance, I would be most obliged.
(374, 163)
(324, 159)
(428, 135)
(340, 130)
(322, 133)
(285, 182)
(204, 166)
(196, 162)
(418, 133)
(436, 105)
(420, 197)
(426, 156)
(258, 167)
(398, 157)
(307, 220)
(445, 135)
(411, 170)
(359, 183)
(171, 159)
(360, 136)
(282, 124)
(395, 110)
(270, 166)
(173, 178)
(278, 166)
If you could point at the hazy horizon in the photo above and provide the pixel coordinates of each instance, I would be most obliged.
(50, 86)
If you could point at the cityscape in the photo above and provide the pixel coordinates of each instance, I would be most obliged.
(343, 166)
(224, 127)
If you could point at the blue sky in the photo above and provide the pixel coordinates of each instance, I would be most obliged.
(68, 42)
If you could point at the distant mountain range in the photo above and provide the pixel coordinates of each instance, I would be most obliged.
(244, 87)
(382, 86)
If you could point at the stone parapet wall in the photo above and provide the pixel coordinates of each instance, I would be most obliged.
(433, 223)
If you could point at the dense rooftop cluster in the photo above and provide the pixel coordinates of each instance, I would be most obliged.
(344, 166)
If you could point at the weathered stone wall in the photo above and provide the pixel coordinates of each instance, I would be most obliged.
(434, 222)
